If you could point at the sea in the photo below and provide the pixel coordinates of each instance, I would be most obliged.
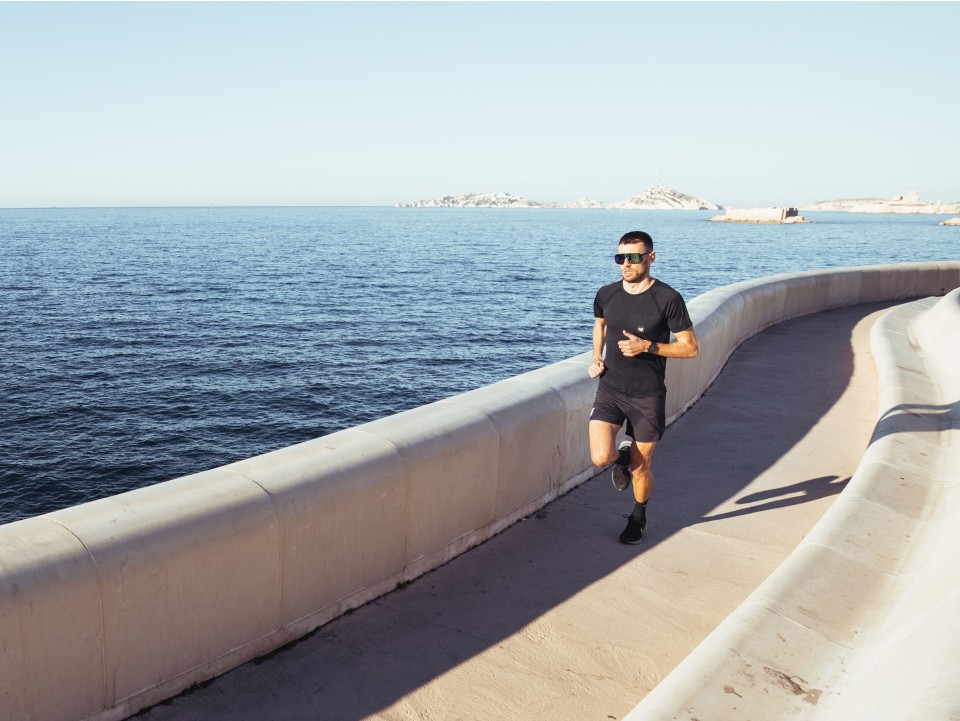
(142, 344)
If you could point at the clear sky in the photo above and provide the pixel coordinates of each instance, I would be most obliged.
(745, 104)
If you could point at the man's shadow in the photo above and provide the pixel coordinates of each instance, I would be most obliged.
(786, 496)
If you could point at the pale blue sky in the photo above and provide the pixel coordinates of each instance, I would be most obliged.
(371, 103)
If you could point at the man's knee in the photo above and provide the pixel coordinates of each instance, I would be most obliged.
(603, 442)
(603, 456)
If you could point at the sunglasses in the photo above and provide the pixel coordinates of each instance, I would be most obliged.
(634, 258)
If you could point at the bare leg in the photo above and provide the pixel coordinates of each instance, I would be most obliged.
(603, 452)
(641, 456)
(603, 443)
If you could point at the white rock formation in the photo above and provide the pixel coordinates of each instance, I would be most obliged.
(660, 197)
(951, 221)
(584, 203)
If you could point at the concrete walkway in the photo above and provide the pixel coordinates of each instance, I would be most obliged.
(553, 619)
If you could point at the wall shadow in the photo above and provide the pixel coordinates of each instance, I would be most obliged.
(918, 418)
(773, 390)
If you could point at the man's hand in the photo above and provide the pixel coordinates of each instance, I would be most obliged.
(596, 368)
(633, 345)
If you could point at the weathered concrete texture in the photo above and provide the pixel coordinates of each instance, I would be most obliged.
(553, 619)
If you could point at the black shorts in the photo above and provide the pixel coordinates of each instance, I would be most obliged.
(646, 417)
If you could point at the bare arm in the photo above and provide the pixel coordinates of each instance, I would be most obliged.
(685, 345)
(599, 336)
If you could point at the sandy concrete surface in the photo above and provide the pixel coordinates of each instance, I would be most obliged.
(553, 619)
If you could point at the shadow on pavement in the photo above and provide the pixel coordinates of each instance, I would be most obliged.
(772, 392)
(786, 496)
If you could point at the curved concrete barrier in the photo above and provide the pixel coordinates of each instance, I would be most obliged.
(114, 605)
(862, 621)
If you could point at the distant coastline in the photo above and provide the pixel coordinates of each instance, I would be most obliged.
(659, 197)
(909, 203)
(662, 197)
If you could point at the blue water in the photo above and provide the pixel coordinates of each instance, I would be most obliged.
(138, 345)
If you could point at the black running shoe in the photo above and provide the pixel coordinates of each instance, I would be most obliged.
(633, 533)
(621, 469)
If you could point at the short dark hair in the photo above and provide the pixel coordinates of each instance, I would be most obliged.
(638, 236)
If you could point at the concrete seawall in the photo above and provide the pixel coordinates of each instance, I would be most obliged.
(119, 603)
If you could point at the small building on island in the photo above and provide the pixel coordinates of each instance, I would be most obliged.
(760, 215)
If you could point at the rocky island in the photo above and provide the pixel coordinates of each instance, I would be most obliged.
(760, 215)
(475, 200)
(659, 197)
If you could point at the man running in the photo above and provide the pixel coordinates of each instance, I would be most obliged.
(634, 318)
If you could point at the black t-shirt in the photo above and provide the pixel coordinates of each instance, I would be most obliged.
(651, 315)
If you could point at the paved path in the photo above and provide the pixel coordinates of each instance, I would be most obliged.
(553, 619)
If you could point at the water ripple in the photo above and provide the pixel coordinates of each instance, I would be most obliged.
(142, 344)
